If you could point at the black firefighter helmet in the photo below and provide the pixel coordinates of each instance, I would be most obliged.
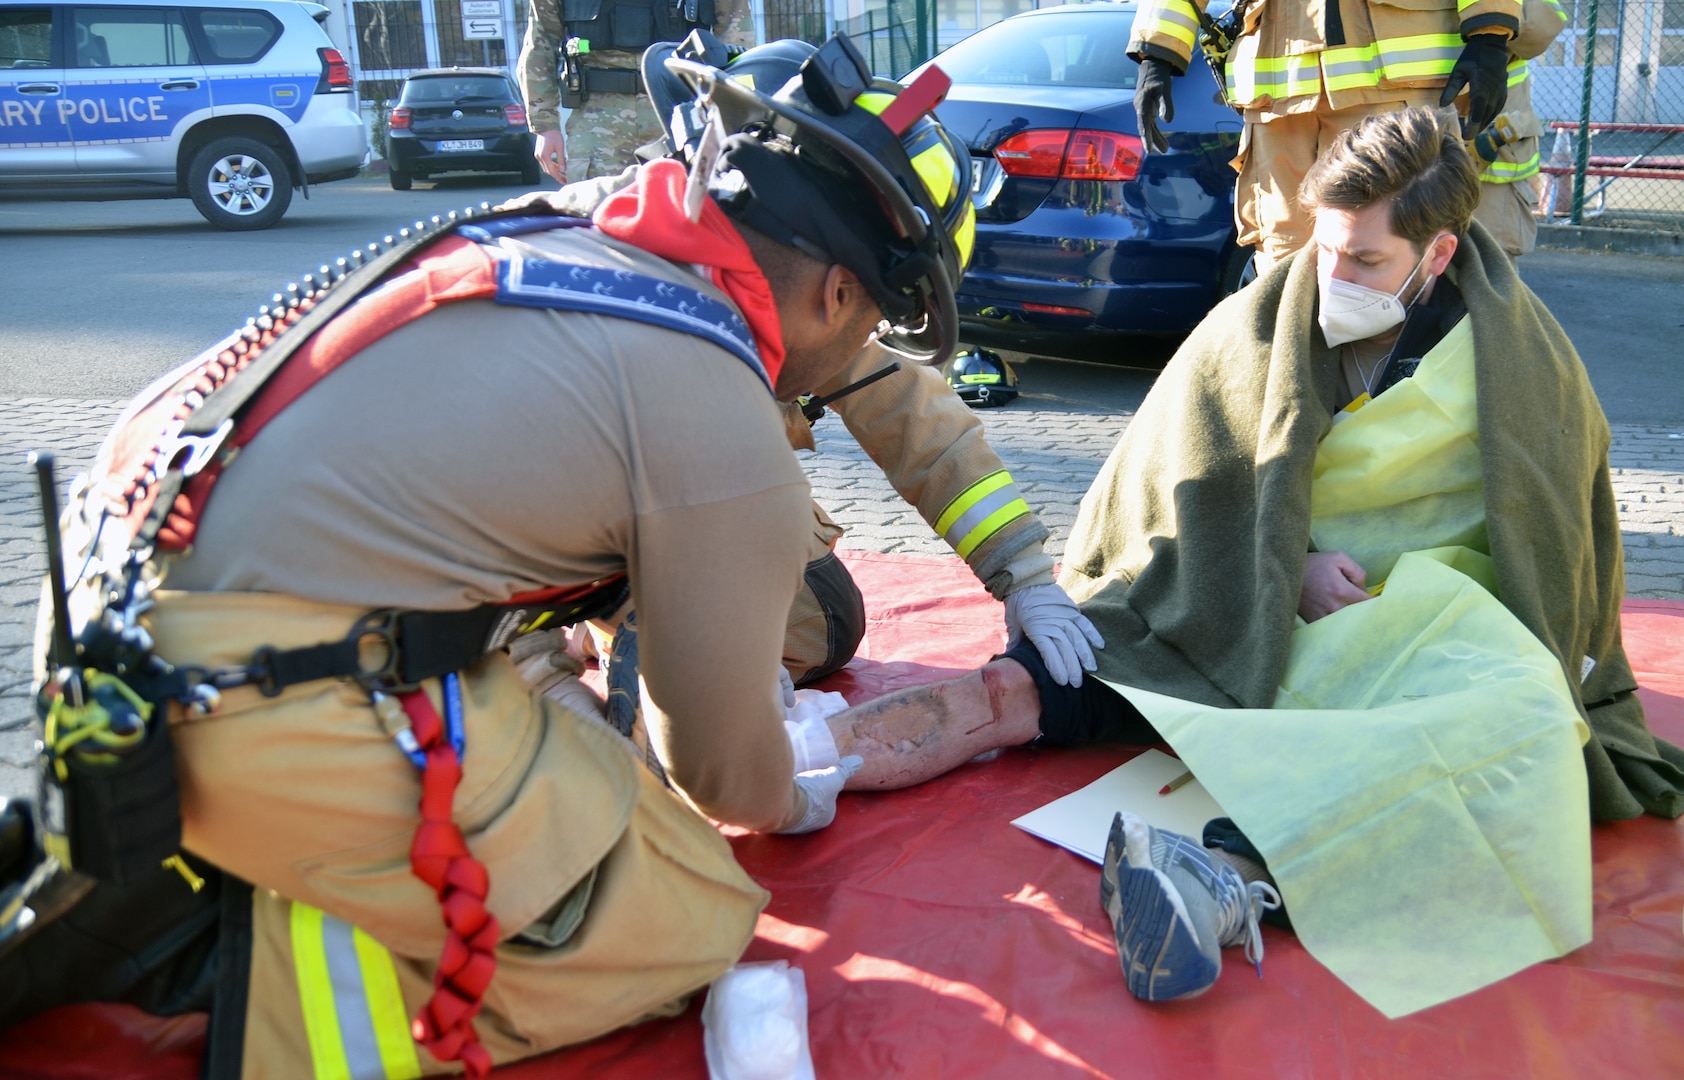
(980, 377)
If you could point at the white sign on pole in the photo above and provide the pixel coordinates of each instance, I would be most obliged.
(482, 8)
(479, 29)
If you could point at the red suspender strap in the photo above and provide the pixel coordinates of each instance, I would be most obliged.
(440, 857)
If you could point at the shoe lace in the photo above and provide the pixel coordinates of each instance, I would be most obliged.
(1239, 914)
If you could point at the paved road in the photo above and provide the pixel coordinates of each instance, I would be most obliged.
(97, 299)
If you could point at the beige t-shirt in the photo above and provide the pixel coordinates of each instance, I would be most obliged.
(486, 450)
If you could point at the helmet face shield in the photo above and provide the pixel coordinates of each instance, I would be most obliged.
(904, 194)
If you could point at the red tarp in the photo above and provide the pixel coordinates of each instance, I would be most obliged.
(938, 940)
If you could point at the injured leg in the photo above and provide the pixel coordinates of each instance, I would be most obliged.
(915, 735)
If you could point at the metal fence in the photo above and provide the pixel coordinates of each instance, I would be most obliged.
(392, 38)
(1613, 115)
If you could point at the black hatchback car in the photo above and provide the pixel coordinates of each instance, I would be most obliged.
(458, 120)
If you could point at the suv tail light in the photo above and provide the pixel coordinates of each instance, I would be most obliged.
(336, 73)
(1071, 155)
(516, 115)
(399, 119)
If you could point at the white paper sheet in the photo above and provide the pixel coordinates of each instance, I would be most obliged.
(1081, 821)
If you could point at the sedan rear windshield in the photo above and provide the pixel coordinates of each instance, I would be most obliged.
(456, 88)
(1086, 49)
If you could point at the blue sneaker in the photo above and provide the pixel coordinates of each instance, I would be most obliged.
(1173, 907)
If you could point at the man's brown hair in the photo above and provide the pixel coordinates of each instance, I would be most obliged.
(1410, 157)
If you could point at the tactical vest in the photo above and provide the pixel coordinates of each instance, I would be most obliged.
(634, 25)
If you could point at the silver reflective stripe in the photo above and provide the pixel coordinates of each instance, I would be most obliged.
(976, 515)
(350, 1000)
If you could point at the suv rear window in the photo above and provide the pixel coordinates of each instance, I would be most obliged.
(129, 37)
(1087, 49)
(234, 37)
(456, 88)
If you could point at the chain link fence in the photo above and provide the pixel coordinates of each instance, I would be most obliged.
(1610, 95)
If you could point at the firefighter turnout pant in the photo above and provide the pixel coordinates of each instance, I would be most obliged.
(615, 898)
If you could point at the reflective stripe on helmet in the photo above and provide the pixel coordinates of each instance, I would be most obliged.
(980, 511)
(354, 1014)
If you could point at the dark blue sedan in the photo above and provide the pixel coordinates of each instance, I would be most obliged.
(1081, 236)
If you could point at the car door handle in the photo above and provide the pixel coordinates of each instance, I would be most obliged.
(38, 88)
(181, 84)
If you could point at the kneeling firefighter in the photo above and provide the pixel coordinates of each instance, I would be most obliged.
(286, 583)
(904, 415)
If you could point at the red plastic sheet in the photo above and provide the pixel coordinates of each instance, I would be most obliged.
(938, 940)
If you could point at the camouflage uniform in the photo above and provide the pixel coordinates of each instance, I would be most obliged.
(603, 134)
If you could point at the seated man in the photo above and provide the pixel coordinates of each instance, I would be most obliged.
(1390, 408)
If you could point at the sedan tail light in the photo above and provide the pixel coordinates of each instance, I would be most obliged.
(516, 115)
(1055, 153)
(399, 120)
(336, 73)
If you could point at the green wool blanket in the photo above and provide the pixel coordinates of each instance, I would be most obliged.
(1188, 552)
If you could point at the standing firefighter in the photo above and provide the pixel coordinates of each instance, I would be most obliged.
(1507, 150)
(1302, 73)
(582, 55)
(294, 565)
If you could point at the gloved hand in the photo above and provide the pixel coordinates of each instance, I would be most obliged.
(786, 687)
(822, 787)
(1151, 97)
(1063, 635)
(1483, 68)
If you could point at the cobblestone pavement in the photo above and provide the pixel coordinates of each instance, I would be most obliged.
(1053, 449)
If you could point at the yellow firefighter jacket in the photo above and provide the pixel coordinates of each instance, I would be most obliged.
(933, 451)
(1292, 56)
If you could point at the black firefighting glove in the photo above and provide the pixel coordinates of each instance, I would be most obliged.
(1152, 97)
(1483, 68)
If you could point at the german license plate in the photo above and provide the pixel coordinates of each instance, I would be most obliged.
(976, 176)
(462, 144)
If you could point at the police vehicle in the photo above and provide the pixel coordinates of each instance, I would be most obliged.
(232, 103)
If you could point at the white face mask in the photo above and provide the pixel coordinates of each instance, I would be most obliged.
(1352, 312)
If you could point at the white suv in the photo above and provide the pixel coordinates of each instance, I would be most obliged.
(230, 102)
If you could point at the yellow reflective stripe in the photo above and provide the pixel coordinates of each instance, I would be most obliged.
(874, 101)
(1171, 18)
(968, 498)
(990, 525)
(354, 1017)
(1518, 72)
(1557, 7)
(964, 237)
(980, 511)
(939, 172)
(1420, 56)
(1507, 172)
(315, 994)
(386, 1009)
(1278, 77)
(1351, 68)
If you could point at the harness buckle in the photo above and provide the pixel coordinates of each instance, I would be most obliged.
(200, 449)
(380, 627)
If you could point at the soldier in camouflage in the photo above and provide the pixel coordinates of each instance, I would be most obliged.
(604, 132)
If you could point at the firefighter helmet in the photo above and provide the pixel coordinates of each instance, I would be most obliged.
(852, 169)
(980, 377)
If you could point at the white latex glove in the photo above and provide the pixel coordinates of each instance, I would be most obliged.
(810, 740)
(786, 688)
(822, 786)
(1065, 638)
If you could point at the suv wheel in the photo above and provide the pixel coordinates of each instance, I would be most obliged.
(240, 184)
(401, 181)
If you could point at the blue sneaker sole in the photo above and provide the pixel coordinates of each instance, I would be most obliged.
(1159, 957)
